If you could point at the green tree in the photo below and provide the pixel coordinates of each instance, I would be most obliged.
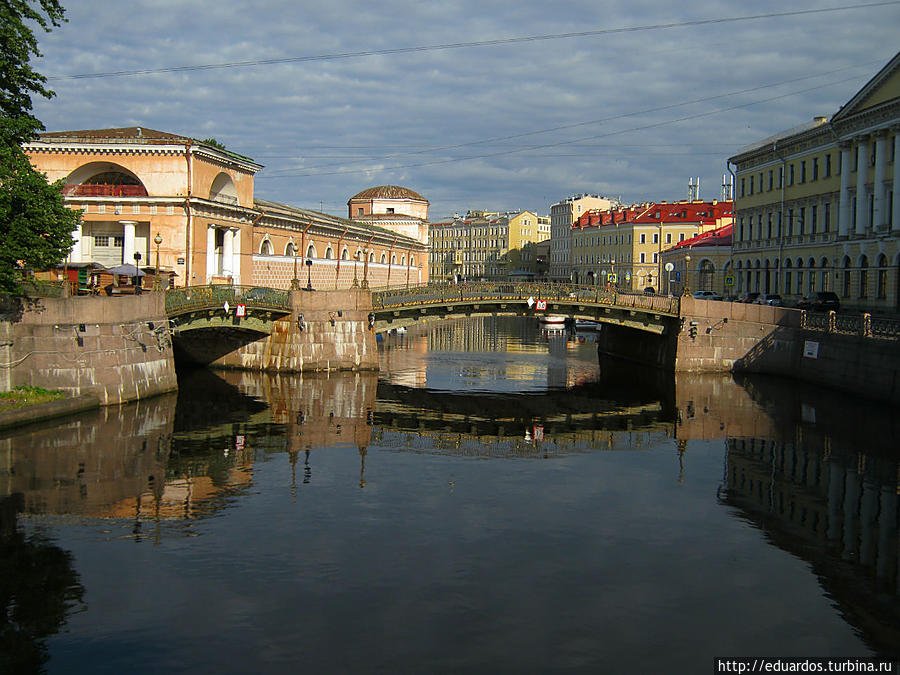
(35, 226)
(213, 142)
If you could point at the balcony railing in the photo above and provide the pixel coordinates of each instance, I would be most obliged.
(105, 191)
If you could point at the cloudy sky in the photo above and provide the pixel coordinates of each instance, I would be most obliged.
(491, 104)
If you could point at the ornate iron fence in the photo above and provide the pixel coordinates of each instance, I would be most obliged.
(865, 325)
(201, 297)
(486, 291)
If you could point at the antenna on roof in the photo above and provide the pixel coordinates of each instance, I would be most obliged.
(727, 188)
(693, 189)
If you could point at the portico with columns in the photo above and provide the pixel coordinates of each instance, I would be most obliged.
(815, 207)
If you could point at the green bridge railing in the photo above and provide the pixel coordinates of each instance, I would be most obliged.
(180, 300)
(484, 291)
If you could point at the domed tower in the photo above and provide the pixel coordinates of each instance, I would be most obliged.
(394, 208)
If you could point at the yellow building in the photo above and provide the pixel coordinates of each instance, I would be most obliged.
(486, 245)
(815, 208)
(563, 214)
(622, 247)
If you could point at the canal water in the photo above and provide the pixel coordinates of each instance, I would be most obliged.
(496, 499)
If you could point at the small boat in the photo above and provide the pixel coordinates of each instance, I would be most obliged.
(584, 324)
(553, 318)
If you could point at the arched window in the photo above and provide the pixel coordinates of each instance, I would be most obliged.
(412, 261)
(290, 250)
(265, 248)
(103, 179)
(311, 251)
(345, 254)
(329, 253)
(383, 258)
(824, 275)
(393, 259)
(371, 256)
(882, 277)
(223, 190)
(799, 290)
(707, 273)
(845, 286)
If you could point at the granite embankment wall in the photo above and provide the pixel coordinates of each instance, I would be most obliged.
(326, 330)
(118, 349)
(734, 337)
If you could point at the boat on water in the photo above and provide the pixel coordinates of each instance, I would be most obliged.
(584, 324)
(553, 319)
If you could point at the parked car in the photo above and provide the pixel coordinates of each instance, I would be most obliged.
(772, 299)
(748, 298)
(821, 301)
(707, 295)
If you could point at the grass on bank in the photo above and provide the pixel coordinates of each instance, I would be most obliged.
(21, 397)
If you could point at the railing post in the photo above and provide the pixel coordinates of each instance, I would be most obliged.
(832, 317)
(867, 325)
(803, 318)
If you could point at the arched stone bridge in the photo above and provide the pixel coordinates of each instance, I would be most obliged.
(395, 308)
(217, 306)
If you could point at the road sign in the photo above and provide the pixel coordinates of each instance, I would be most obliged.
(678, 275)
(729, 280)
(669, 267)
(541, 305)
(611, 278)
(240, 310)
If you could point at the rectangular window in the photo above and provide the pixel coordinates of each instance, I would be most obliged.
(655, 257)
(769, 227)
(681, 237)
(791, 174)
(668, 237)
(643, 238)
(828, 165)
(803, 171)
(801, 221)
(119, 242)
(826, 217)
(102, 240)
(790, 222)
(642, 257)
(813, 213)
(771, 178)
(655, 237)
(780, 176)
(742, 187)
(815, 168)
(751, 185)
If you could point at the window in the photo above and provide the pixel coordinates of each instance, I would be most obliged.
(791, 174)
(751, 185)
(656, 257)
(803, 171)
(742, 187)
(681, 237)
(119, 241)
(643, 238)
(655, 237)
(769, 226)
(668, 237)
(813, 212)
(642, 257)
(771, 178)
(827, 165)
(801, 221)
(359, 211)
(101, 240)
(815, 168)
(826, 216)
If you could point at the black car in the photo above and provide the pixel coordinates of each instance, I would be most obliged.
(822, 301)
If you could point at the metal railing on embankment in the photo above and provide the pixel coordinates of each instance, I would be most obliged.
(484, 292)
(863, 325)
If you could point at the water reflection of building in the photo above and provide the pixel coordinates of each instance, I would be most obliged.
(837, 509)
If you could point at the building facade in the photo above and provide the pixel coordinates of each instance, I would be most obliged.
(815, 207)
(623, 247)
(487, 245)
(701, 263)
(563, 215)
(136, 186)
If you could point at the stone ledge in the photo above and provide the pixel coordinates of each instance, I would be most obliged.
(44, 411)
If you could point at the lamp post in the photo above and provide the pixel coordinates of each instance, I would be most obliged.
(612, 271)
(365, 281)
(355, 283)
(309, 274)
(295, 282)
(687, 274)
(156, 240)
(137, 270)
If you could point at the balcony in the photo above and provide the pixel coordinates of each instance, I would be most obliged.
(101, 190)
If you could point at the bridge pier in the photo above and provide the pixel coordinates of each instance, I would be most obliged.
(325, 330)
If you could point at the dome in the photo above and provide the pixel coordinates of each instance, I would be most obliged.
(389, 192)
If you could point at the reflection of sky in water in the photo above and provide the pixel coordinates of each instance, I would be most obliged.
(516, 356)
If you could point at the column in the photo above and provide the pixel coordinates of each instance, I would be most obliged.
(844, 201)
(77, 253)
(212, 266)
(128, 250)
(879, 210)
(236, 256)
(862, 173)
(228, 253)
(895, 215)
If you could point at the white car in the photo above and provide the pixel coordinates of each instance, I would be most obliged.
(707, 295)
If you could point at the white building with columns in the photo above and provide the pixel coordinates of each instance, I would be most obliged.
(815, 207)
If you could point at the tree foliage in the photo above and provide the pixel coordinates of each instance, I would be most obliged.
(35, 226)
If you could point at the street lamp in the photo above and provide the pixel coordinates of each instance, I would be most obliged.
(612, 271)
(309, 274)
(687, 274)
(365, 281)
(137, 271)
(156, 240)
(295, 282)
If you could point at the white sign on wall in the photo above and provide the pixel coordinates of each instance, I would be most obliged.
(811, 349)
